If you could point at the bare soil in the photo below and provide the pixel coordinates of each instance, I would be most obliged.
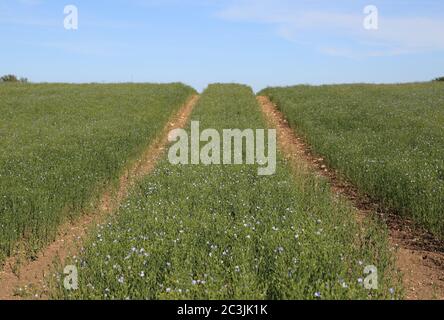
(419, 255)
(19, 279)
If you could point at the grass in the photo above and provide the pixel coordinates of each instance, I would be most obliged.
(387, 139)
(62, 144)
(223, 232)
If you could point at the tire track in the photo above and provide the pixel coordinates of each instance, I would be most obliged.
(419, 256)
(32, 274)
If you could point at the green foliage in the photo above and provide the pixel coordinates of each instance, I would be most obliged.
(387, 139)
(12, 78)
(223, 232)
(9, 78)
(61, 144)
(439, 79)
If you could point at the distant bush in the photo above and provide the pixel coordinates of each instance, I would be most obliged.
(12, 78)
(439, 79)
(9, 78)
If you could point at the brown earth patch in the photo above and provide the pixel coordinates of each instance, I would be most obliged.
(419, 255)
(18, 280)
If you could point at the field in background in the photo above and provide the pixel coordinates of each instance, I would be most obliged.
(62, 144)
(223, 232)
(386, 139)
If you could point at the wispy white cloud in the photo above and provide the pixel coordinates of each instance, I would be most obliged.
(30, 2)
(88, 48)
(320, 27)
(29, 22)
(166, 3)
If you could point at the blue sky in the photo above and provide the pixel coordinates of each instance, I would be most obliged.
(257, 42)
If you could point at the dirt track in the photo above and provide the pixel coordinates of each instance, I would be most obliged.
(16, 276)
(420, 257)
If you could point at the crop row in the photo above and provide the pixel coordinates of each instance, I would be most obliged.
(62, 144)
(387, 139)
